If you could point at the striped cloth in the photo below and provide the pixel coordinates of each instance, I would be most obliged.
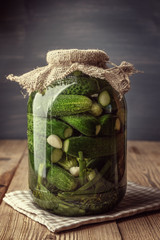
(138, 199)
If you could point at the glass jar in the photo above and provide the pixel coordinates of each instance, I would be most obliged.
(77, 146)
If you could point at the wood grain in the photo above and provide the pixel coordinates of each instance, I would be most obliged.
(21, 227)
(143, 168)
(11, 152)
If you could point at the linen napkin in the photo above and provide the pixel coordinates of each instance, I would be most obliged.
(138, 199)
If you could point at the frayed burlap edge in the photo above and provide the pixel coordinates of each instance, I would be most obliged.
(64, 62)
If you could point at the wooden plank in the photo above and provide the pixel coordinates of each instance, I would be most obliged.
(107, 231)
(143, 163)
(145, 226)
(143, 168)
(11, 152)
(18, 226)
(154, 159)
(138, 228)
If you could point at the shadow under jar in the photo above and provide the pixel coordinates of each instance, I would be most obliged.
(77, 146)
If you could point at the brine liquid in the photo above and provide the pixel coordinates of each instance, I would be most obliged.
(77, 161)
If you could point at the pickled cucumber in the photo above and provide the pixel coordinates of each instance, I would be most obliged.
(78, 84)
(70, 104)
(91, 147)
(84, 123)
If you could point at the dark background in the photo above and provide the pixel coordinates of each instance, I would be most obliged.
(126, 30)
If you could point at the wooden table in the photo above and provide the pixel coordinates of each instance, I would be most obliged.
(143, 168)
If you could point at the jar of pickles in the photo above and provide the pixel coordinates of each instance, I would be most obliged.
(77, 146)
(77, 134)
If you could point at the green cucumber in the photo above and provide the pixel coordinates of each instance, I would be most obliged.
(82, 168)
(109, 124)
(39, 149)
(61, 179)
(69, 104)
(30, 102)
(91, 147)
(47, 200)
(35, 141)
(78, 85)
(103, 84)
(85, 124)
(46, 127)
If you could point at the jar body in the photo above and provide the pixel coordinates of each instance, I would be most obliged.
(77, 146)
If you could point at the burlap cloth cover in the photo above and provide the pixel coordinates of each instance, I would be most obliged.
(138, 199)
(63, 62)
